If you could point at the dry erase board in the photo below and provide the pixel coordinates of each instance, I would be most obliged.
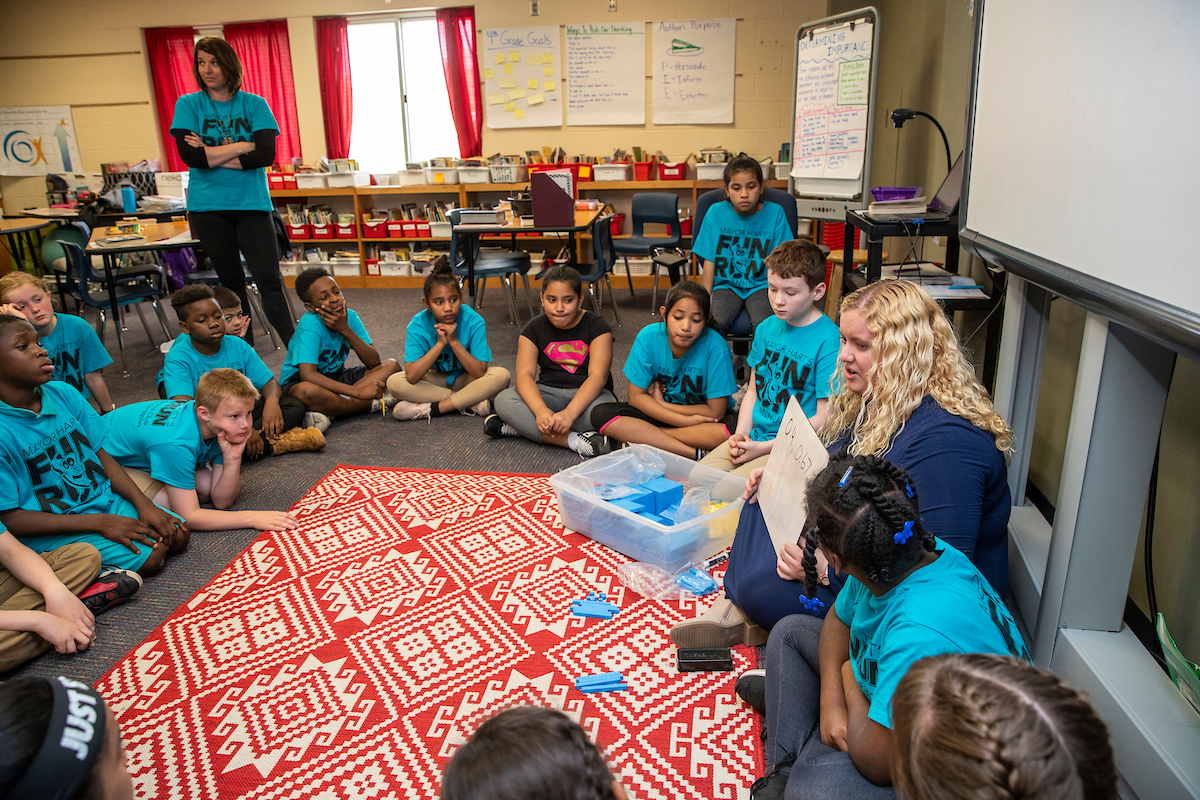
(833, 91)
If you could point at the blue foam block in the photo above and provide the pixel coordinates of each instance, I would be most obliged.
(607, 687)
(629, 504)
(603, 677)
(666, 493)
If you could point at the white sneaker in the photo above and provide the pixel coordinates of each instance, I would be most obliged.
(404, 410)
(315, 419)
(480, 409)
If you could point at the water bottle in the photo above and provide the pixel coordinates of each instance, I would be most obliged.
(128, 200)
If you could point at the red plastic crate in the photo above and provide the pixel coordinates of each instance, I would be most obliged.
(303, 231)
(395, 229)
(410, 228)
(423, 229)
(375, 229)
(672, 172)
(322, 232)
(644, 170)
(617, 224)
(685, 226)
(345, 230)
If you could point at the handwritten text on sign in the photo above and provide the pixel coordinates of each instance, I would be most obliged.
(795, 457)
(606, 74)
(521, 76)
(693, 71)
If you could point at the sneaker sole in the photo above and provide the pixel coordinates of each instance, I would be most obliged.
(699, 633)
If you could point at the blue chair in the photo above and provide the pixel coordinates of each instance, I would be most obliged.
(78, 232)
(657, 208)
(606, 259)
(504, 265)
(210, 277)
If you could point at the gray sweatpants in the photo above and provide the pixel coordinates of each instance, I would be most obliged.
(516, 414)
(727, 305)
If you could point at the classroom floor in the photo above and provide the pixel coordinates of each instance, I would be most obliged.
(453, 443)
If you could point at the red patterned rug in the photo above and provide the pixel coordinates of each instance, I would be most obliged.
(350, 658)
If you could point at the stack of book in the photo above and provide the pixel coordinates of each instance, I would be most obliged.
(913, 205)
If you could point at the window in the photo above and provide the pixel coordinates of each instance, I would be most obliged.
(401, 107)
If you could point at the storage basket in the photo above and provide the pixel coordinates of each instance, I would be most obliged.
(509, 173)
(611, 172)
(474, 175)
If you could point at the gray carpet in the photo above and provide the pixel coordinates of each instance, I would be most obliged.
(453, 443)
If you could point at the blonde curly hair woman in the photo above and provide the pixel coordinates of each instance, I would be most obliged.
(906, 393)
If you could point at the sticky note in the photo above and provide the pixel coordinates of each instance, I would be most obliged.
(549, 86)
(439, 177)
(533, 84)
(489, 73)
(508, 69)
(547, 70)
(535, 99)
(508, 83)
(514, 56)
(499, 58)
(495, 99)
(533, 58)
(509, 106)
(516, 94)
(547, 58)
(519, 114)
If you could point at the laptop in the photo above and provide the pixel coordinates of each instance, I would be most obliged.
(943, 205)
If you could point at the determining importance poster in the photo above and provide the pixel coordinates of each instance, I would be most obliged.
(38, 140)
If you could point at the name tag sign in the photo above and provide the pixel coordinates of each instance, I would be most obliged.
(796, 456)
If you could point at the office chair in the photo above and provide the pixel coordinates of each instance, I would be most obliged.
(656, 208)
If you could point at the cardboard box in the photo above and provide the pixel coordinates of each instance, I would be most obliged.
(172, 184)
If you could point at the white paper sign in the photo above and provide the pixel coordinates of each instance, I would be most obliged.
(606, 74)
(38, 140)
(833, 82)
(795, 457)
(693, 71)
(522, 77)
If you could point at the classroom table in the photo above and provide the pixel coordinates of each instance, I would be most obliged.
(154, 236)
(18, 238)
(513, 226)
(72, 214)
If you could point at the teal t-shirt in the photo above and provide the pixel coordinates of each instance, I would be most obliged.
(184, 365)
(313, 343)
(75, 350)
(471, 331)
(161, 437)
(704, 372)
(945, 607)
(218, 188)
(790, 361)
(738, 245)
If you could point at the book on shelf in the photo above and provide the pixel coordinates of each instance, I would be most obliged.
(918, 272)
(910, 205)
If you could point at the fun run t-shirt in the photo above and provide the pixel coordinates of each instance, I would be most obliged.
(738, 245)
(75, 350)
(218, 188)
(564, 356)
(185, 364)
(944, 607)
(787, 361)
(161, 437)
(471, 331)
(704, 372)
(313, 343)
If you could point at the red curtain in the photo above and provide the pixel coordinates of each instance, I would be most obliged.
(169, 51)
(456, 30)
(267, 71)
(337, 94)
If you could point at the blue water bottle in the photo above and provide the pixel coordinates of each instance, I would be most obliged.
(128, 200)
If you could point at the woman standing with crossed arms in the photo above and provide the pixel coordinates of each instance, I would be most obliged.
(227, 138)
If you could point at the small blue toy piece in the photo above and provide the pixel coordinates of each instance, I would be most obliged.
(646, 515)
(632, 504)
(594, 606)
(604, 682)
(904, 535)
(666, 493)
(811, 603)
(697, 581)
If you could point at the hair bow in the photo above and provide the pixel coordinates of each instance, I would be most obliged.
(908, 489)
(904, 535)
(845, 477)
(811, 603)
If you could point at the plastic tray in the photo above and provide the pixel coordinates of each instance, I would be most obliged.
(668, 546)
(611, 172)
(411, 177)
(882, 193)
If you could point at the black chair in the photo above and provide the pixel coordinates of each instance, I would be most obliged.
(606, 259)
(504, 265)
(656, 208)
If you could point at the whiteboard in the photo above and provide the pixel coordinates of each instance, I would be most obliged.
(1082, 148)
(522, 77)
(606, 73)
(693, 71)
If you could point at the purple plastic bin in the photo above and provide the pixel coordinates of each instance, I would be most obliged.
(882, 193)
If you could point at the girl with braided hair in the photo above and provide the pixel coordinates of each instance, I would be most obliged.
(993, 728)
(529, 752)
(829, 683)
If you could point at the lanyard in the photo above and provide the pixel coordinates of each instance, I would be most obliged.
(226, 132)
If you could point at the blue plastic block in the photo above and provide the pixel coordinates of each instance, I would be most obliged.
(629, 504)
(597, 603)
(601, 678)
(666, 493)
(607, 687)
(587, 608)
(646, 515)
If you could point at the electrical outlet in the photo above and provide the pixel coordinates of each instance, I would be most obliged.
(534, 7)
(937, 241)
(612, 5)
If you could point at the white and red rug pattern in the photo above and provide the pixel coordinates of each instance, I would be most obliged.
(351, 657)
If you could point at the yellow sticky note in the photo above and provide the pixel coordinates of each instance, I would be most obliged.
(514, 56)
(499, 58)
(535, 99)
(549, 86)
(547, 58)
(533, 58)
(508, 83)
(516, 94)
(547, 70)
(508, 69)
(509, 106)
(519, 114)
(489, 73)
(439, 177)
(533, 83)
(495, 99)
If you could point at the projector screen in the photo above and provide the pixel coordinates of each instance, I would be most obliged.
(1083, 155)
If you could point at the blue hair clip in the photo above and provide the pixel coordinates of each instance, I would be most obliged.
(845, 477)
(908, 489)
(811, 603)
(903, 536)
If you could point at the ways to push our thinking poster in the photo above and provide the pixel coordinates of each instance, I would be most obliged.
(833, 82)
(38, 140)
(606, 74)
(522, 77)
(693, 71)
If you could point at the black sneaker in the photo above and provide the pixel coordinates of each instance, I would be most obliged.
(751, 686)
(592, 444)
(111, 588)
(773, 785)
(494, 427)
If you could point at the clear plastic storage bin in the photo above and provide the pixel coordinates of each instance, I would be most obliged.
(610, 172)
(410, 177)
(671, 547)
(474, 175)
(441, 175)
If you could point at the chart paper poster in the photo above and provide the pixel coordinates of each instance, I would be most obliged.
(38, 140)
(606, 74)
(522, 73)
(693, 71)
(833, 82)
(796, 457)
